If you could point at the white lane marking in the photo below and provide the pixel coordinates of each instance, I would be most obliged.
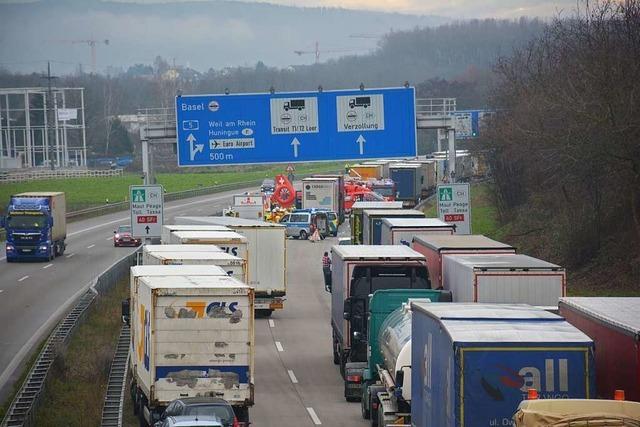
(70, 255)
(314, 416)
(1, 291)
(90, 246)
(278, 344)
(23, 278)
(109, 238)
(292, 376)
(47, 266)
(272, 323)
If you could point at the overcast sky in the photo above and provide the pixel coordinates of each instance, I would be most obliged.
(449, 8)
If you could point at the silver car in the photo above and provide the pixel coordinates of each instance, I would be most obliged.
(192, 421)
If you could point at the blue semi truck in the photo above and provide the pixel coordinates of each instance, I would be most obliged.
(36, 226)
(474, 363)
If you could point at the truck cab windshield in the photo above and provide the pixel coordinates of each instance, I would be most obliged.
(26, 222)
(368, 279)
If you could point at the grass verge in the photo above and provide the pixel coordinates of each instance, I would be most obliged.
(87, 192)
(76, 385)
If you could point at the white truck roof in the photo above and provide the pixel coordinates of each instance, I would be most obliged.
(230, 221)
(212, 235)
(196, 227)
(377, 205)
(502, 262)
(458, 241)
(377, 252)
(177, 270)
(182, 255)
(182, 248)
(187, 282)
(393, 212)
(415, 222)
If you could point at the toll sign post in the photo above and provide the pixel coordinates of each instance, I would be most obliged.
(454, 206)
(147, 208)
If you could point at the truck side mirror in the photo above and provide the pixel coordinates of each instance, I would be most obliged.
(126, 311)
(445, 296)
(347, 309)
(399, 378)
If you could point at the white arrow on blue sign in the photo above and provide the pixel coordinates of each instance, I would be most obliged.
(295, 127)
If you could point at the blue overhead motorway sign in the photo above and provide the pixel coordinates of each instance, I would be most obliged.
(295, 127)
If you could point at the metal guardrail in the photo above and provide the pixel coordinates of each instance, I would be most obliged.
(117, 383)
(25, 404)
(57, 174)
(435, 106)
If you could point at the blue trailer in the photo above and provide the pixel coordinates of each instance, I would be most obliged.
(474, 363)
(407, 179)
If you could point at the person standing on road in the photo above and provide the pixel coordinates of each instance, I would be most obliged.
(326, 270)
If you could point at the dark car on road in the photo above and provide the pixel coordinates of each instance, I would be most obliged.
(268, 186)
(202, 406)
(123, 237)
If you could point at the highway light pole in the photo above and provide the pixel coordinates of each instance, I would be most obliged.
(49, 107)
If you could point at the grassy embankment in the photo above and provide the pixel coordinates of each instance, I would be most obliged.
(87, 192)
(593, 279)
(77, 381)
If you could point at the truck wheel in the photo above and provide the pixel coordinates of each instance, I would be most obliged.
(242, 413)
(304, 235)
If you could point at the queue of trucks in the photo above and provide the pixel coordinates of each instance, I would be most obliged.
(433, 328)
(192, 310)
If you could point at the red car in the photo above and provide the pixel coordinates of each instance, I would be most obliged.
(122, 237)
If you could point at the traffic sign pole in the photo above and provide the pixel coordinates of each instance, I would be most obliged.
(452, 154)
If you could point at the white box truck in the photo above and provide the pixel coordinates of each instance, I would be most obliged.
(267, 263)
(229, 241)
(158, 255)
(194, 338)
(504, 279)
(321, 193)
(401, 231)
(436, 247)
(168, 229)
(251, 206)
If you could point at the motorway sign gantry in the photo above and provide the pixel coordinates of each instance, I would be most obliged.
(454, 206)
(470, 123)
(147, 207)
(295, 127)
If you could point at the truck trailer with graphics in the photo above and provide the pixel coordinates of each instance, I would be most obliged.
(192, 336)
(267, 261)
(474, 363)
(36, 226)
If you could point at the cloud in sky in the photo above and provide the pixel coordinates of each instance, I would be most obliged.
(450, 8)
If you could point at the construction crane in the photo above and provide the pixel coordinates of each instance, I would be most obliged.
(317, 51)
(92, 44)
